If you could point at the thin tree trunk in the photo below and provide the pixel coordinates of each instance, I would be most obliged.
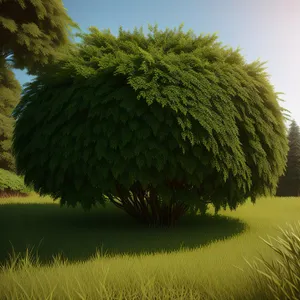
(144, 206)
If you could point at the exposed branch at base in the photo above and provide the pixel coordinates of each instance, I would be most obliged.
(145, 205)
(118, 204)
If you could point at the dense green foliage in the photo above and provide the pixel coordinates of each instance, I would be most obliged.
(33, 31)
(159, 124)
(289, 183)
(10, 94)
(11, 184)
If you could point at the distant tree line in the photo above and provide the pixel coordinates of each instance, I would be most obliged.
(289, 183)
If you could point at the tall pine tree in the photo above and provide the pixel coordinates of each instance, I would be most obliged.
(289, 183)
(32, 33)
(10, 93)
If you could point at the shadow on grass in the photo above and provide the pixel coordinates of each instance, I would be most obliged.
(77, 234)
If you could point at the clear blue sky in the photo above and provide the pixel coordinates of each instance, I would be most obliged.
(265, 29)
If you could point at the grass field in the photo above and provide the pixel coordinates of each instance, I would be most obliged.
(198, 259)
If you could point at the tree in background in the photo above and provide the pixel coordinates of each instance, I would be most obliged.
(10, 94)
(32, 32)
(289, 183)
(160, 125)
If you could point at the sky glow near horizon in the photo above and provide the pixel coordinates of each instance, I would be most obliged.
(268, 30)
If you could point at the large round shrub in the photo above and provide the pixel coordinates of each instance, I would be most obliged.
(159, 124)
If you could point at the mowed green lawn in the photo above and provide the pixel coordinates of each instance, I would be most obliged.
(198, 259)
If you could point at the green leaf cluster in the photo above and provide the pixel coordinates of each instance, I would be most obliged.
(170, 107)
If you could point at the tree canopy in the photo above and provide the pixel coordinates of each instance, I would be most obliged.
(32, 31)
(289, 183)
(159, 124)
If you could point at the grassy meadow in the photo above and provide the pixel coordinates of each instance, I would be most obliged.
(105, 254)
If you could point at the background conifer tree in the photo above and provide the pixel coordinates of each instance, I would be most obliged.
(289, 183)
(33, 33)
(10, 93)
